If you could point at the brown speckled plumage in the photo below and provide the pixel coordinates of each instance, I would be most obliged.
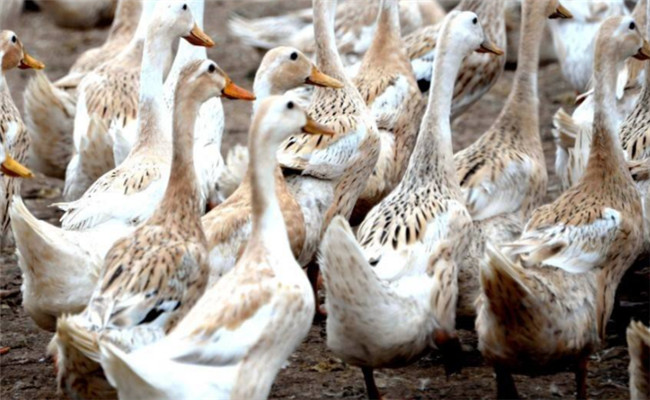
(547, 307)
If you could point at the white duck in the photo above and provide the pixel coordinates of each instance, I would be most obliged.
(153, 277)
(52, 258)
(237, 337)
(325, 174)
(392, 294)
(574, 38)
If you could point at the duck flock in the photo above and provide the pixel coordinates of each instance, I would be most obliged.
(176, 274)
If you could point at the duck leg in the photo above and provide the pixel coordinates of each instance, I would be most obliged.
(371, 386)
(581, 378)
(314, 276)
(506, 388)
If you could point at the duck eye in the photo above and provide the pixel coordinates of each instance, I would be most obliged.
(475, 21)
(212, 68)
(632, 25)
(290, 105)
(14, 39)
(294, 56)
(184, 6)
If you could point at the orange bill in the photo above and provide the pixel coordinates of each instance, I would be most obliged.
(232, 91)
(644, 52)
(488, 47)
(561, 12)
(314, 128)
(30, 62)
(11, 167)
(318, 78)
(199, 38)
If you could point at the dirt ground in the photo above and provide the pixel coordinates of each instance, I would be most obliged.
(312, 371)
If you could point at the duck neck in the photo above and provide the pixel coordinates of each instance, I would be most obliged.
(126, 19)
(387, 42)
(606, 154)
(151, 109)
(433, 160)
(523, 96)
(269, 229)
(327, 53)
(182, 192)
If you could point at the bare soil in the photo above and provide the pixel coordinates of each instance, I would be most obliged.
(313, 371)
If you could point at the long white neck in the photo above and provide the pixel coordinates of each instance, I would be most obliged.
(154, 120)
(432, 161)
(327, 53)
(186, 53)
(263, 88)
(269, 228)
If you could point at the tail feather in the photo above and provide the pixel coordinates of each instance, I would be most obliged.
(564, 130)
(49, 117)
(71, 332)
(60, 268)
(500, 272)
(235, 171)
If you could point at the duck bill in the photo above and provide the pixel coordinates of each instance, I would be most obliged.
(234, 92)
(561, 12)
(489, 47)
(199, 38)
(644, 52)
(314, 128)
(11, 167)
(317, 78)
(30, 62)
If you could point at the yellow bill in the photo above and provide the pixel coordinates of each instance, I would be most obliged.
(199, 38)
(11, 167)
(318, 78)
(488, 47)
(30, 62)
(561, 12)
(232, 91)
(314, 128)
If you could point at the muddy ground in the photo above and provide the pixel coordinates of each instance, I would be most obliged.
(313, 371)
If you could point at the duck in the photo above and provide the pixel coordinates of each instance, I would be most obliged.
(15, 141)
(504, 171)
(52, 258)
(353, 31)
(228, 226)
(153, 277)
(234, 341)
(546, 297)
(573, 39)
(638, 345)
(391, 292)
(572, 133)
(77, 15)
(387, 84)
(107, 98)
(324, 172)
(50, 107)
(479, 71)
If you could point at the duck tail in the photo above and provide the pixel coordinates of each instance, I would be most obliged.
(49, 118)
(500, 275)
(346, 271)
(638, 343)
(53, 261)
(235, 171)
(76, 352)
(254, 33)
